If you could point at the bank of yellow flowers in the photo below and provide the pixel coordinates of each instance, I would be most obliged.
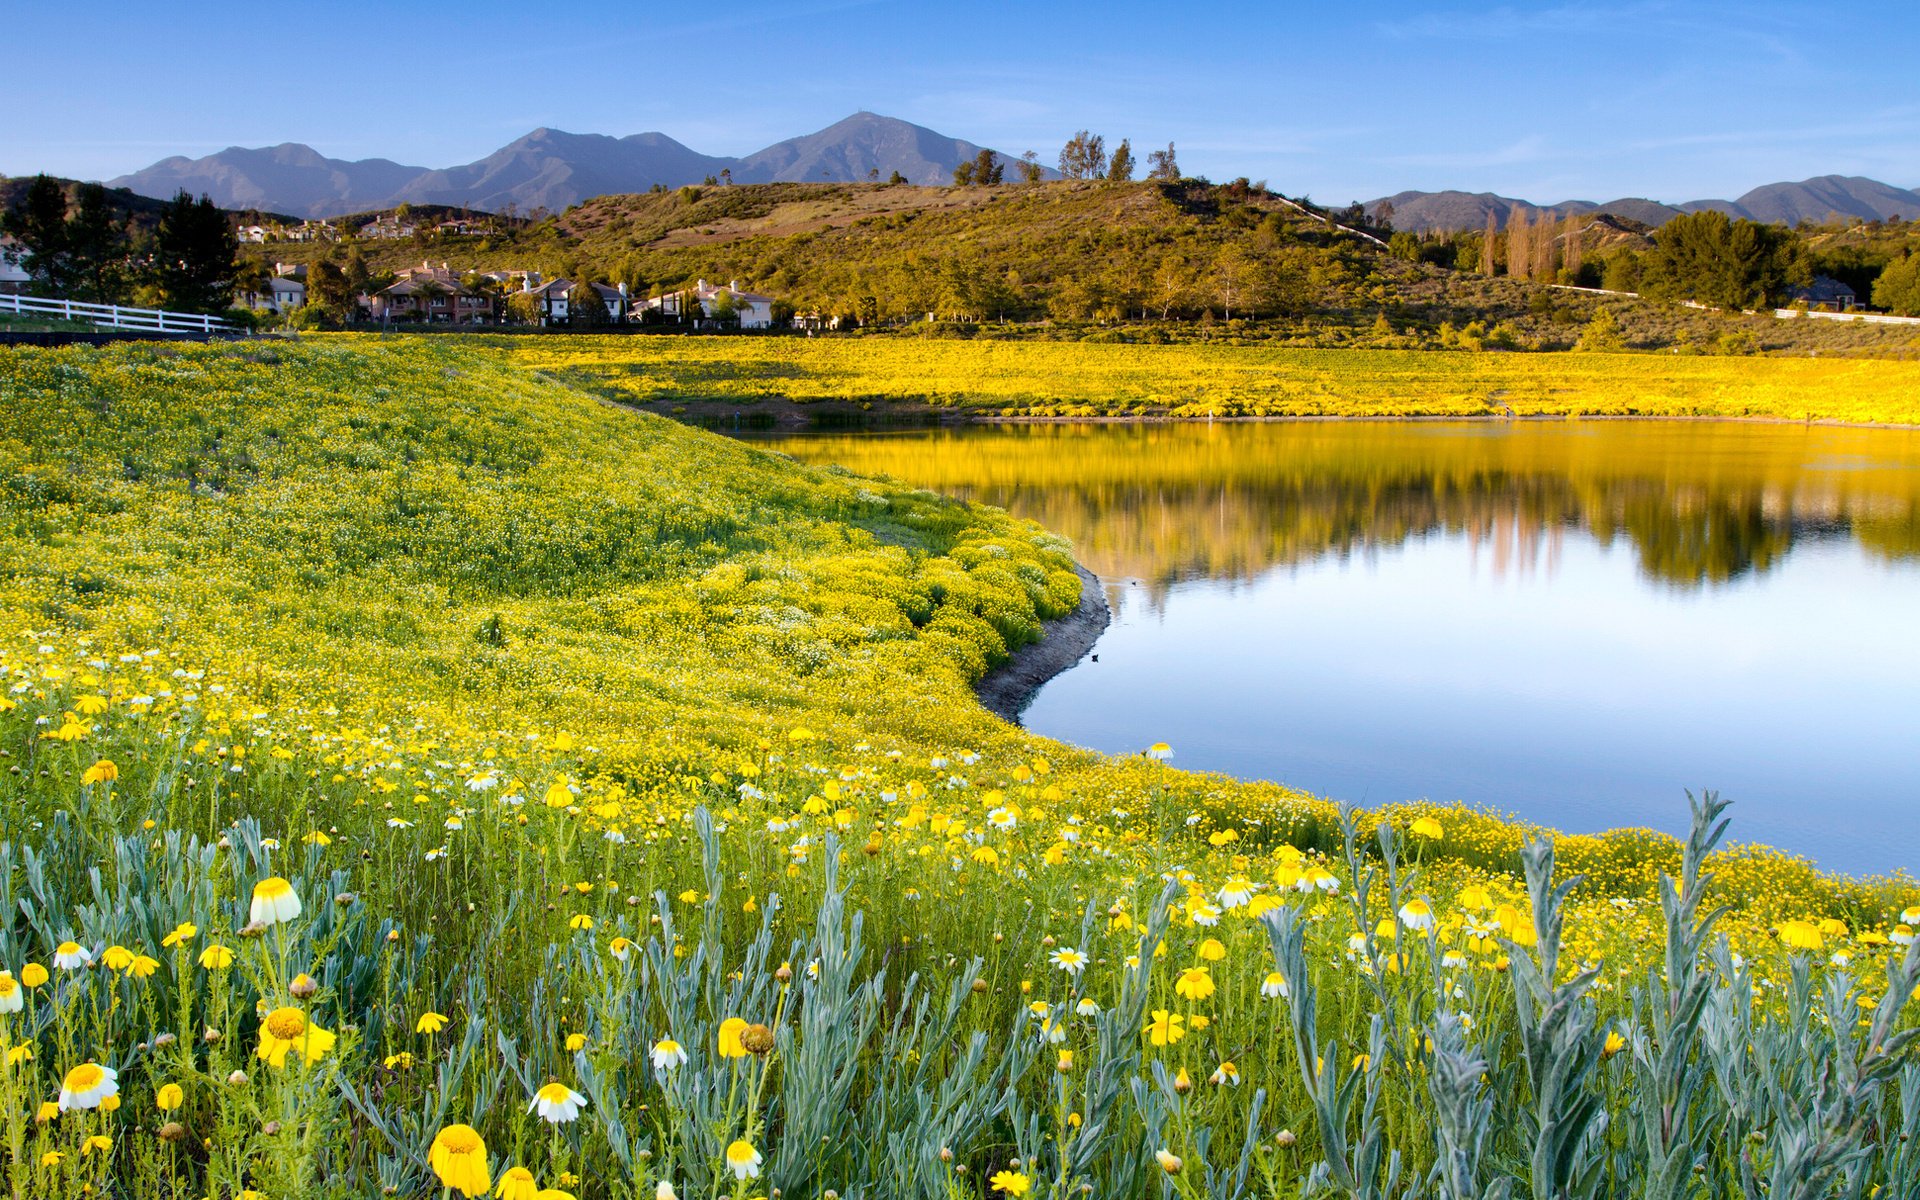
(421, 779)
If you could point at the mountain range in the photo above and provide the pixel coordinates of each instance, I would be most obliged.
(1814, 199)
(550, 169)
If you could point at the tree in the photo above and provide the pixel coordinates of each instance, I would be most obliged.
(1707, 257)
(1487, 259)
(963, 174)
(1162, 167)
(328, 293)
(359, 282)
(1030, 169)
(1898, 287)
(896, 179)
(1519, 246)
(97, 246)
(1121, 168)
(39, 223)
(1084, 156)
(1602, 334)
(988, 169)
(585, 308)
(193, 256)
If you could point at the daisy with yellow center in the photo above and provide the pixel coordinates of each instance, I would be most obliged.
(1195, 983)
(743, 1160)
(274, 901)
(287, 1028)
(557, 1103)
(668, 1054)
(88, 1086)
(459, 1157)
(517, 1183)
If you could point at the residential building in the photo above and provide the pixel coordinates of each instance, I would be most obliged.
(13, 272)
(431, 295)
(1825, 292)
(387, 227)
(752, 310)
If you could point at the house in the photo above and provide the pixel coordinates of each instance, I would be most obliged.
(387, 227)
(432, 295)
(752, 310)
(254, 234)
(13, 271)
(555, 299)
(459, 228)
(311, 231)
(1824, 292)
(284, 294)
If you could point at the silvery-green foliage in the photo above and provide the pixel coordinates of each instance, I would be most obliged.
(1462, 1116)
(1101, 1149)
(1561, 1044)
(1675, 1125)
(1364, 1169)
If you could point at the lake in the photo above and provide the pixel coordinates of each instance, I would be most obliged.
(1571, 621)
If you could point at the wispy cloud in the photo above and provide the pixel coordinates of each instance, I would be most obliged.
(1532, 148)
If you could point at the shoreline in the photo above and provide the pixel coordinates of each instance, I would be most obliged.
(783, 416)
(1006, 690)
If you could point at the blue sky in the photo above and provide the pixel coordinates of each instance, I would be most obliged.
(1669, 100)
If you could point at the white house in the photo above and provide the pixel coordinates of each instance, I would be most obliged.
(254, 234)
(754, 311)
(285, 293)
(13, 275)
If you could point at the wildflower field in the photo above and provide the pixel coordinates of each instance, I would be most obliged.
(986, 378)
(424, 778)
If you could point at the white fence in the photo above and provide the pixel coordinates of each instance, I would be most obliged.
(116, 316)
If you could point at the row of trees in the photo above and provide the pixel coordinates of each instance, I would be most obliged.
(84, 249)
(1083, 157)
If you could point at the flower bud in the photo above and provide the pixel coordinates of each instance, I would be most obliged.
(980, 987)
(757, 1040)
(784, 974)
(173, 1131)
(210, 1035)
(1284, 1138)
(270, 1128)
(237, 1079)
(303, 987)
(162, 1041)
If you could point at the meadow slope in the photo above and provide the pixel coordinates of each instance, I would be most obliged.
(998, 379)
(421, 773)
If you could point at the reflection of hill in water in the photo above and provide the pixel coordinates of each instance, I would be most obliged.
(1701, 504)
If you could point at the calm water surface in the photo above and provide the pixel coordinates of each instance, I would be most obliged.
(1570, 621)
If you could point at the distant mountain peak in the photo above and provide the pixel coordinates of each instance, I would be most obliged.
(550, 168)
(1814, 199)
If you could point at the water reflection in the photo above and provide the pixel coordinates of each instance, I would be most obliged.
(1570, 621)
(1700, 504)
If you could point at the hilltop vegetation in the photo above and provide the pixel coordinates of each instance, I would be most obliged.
(1149, 261)
(421, 774)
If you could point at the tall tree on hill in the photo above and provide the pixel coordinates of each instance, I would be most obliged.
(1030, 170)
(1519, 246)
(1543, 248)
(1706, 256)
(988, 171)
(193, 256)
(963, 174)
(1575, 255)
(1898, 287)
(1084, 156)
(1120, 170)
(1487, 260)
(1161, 165)
(98, 245)
(39, 223)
